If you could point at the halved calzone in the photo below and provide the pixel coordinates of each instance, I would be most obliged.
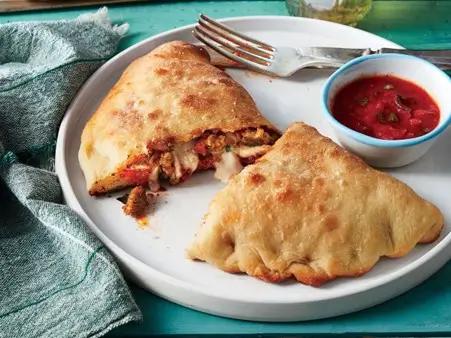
(309, 209)
(170, 114)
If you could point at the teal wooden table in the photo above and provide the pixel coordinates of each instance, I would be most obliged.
(425, 310)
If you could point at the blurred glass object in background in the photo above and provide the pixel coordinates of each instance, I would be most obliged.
(347, 12)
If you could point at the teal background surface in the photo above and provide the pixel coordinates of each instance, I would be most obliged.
(424, 310)
(413, 24)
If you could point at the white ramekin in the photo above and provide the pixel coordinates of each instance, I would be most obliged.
(390, 153)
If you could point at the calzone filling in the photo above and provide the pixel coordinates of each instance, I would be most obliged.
(227, 153)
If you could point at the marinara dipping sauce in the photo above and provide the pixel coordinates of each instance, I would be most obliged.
(386, 107)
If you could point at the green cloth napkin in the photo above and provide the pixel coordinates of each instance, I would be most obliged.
(56, 278)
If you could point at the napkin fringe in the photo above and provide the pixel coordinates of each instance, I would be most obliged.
(102, 18)
(44, 155)
(7, 160)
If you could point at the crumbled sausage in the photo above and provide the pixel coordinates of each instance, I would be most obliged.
(154, 182)
(215, 143)
(167, 164)
(256, 137)
(137, 203)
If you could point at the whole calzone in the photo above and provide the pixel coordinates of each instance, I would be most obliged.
(309, 209)
(170, 114)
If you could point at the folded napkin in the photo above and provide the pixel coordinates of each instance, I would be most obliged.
(56, 278)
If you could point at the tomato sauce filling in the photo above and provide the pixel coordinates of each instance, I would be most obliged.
(386, 107)
(136, 176)
(201, 147)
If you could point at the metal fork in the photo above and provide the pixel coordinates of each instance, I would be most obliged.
(284, 61)
(255, 54)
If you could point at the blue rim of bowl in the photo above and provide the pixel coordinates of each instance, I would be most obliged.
(372, 141)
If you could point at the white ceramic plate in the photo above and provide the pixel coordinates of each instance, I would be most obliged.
(154, 257)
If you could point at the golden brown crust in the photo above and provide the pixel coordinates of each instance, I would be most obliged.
(173, 93)
(309, 209)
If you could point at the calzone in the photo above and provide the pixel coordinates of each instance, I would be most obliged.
(308, 209)
(170, 114)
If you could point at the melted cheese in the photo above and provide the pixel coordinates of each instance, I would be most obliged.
(247, 151)
(154, 183)
(185, 158)
(141, 166)
(228, 166)
(177, 166)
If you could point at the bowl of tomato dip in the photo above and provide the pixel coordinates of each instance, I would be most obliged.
(388, 109)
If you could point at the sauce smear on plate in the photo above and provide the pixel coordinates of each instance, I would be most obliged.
(386, 107)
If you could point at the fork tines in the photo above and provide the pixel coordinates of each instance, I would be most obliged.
(232, 44)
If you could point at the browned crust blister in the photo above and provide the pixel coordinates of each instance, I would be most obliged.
(309, 209)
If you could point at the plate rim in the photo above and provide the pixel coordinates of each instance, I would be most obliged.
(72, 200)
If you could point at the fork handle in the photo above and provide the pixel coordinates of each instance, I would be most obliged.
(441, 58)
(444, 62)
